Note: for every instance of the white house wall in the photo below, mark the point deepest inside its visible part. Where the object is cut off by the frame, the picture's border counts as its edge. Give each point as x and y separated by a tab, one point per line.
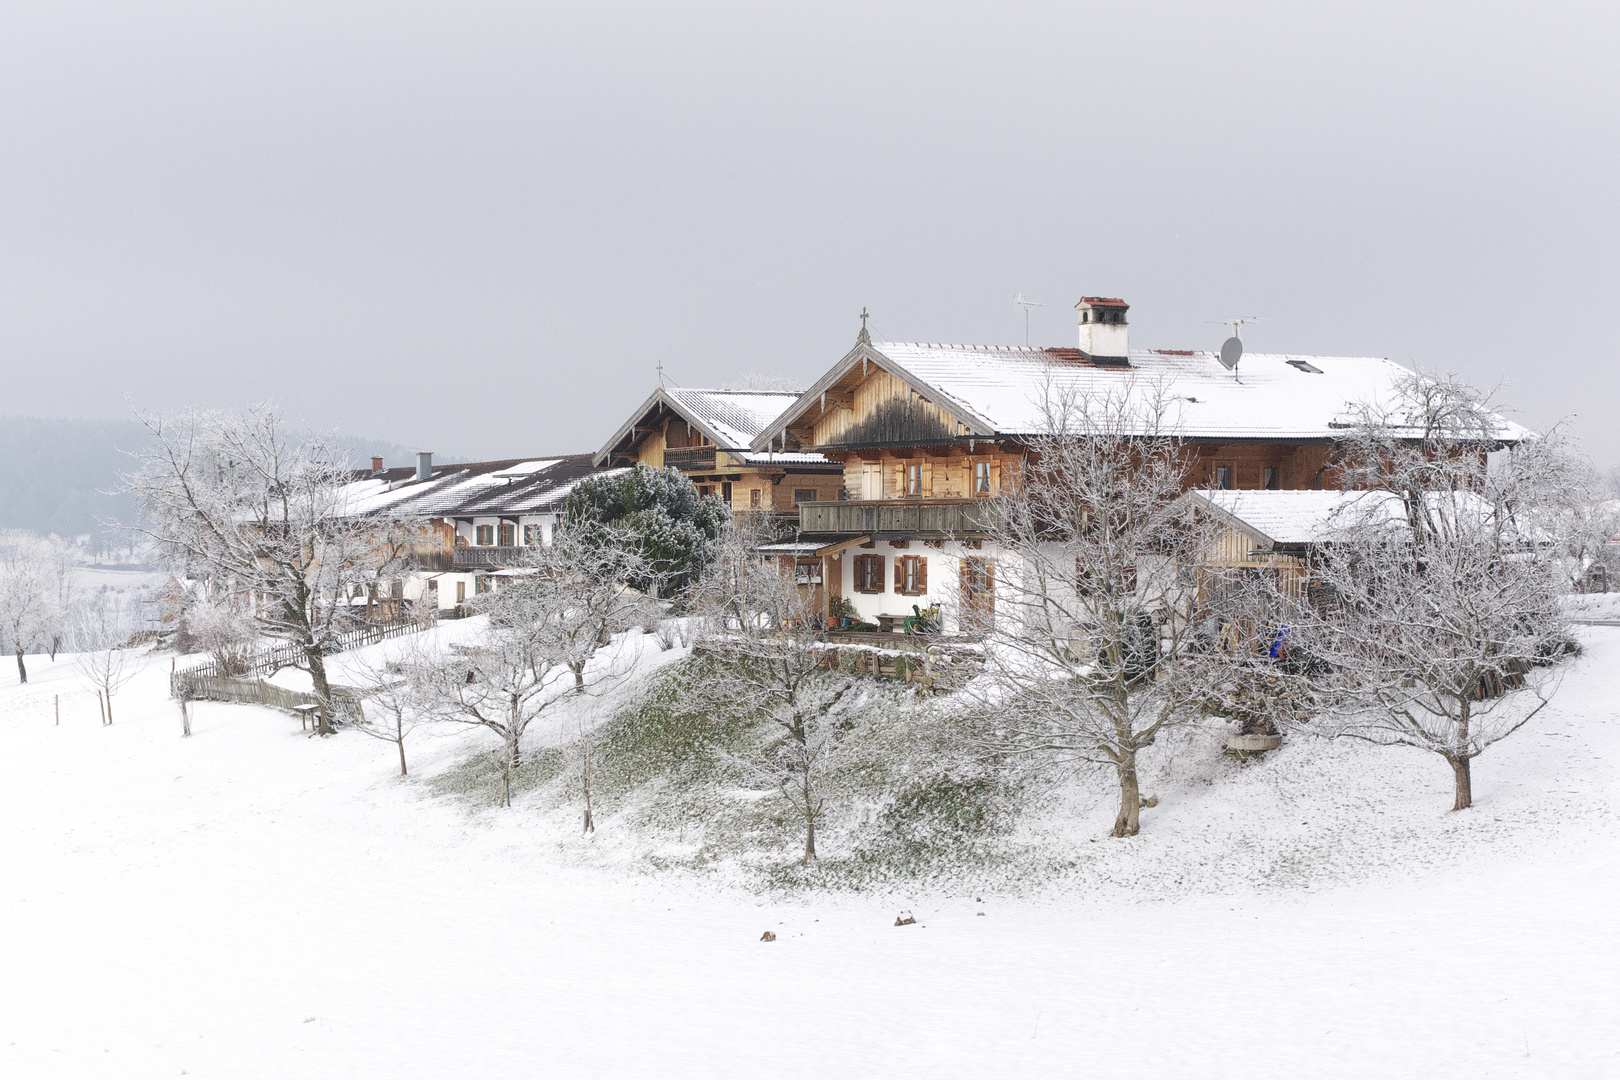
944	581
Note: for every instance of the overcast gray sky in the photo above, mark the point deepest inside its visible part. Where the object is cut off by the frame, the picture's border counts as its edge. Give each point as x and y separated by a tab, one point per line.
480	226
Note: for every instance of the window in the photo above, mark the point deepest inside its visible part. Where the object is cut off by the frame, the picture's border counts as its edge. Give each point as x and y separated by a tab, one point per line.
978	592
803	495
913	479
754	498
461	591
481	584
869	573
705	490
508	534
532	535
725	492
1223	477
486	535
911	575
1273	478
981	478
807	573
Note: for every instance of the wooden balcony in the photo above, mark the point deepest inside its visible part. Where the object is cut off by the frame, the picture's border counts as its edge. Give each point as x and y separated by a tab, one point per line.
690	458
935	518
469	557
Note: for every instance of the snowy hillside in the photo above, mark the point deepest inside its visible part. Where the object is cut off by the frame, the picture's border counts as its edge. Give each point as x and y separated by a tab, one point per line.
251	902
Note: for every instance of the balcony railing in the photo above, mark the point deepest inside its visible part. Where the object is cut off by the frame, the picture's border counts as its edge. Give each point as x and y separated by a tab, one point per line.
689	458
470	557
930	517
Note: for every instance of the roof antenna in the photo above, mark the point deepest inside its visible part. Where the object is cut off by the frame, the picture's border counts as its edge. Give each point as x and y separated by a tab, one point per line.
1019	301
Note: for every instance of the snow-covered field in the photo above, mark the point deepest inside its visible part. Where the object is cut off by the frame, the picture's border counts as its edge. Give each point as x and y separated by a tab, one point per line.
250	902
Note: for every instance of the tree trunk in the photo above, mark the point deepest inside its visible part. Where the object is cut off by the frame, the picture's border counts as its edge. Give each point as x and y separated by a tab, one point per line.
579	676
22	672
590	823
809	840
323	689
1461	763
1461	767
1129	821
400	740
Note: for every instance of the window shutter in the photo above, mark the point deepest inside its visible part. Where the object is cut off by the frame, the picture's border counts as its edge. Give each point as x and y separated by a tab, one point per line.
922	573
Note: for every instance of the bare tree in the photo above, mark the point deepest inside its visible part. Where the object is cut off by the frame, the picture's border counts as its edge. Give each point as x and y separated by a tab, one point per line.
575	596
504	681
760	629
235	500
107	670
1445	578
390	704
1093	548
30	596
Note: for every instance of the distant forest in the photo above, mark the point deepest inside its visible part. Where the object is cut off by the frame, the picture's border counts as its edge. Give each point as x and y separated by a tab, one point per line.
61	476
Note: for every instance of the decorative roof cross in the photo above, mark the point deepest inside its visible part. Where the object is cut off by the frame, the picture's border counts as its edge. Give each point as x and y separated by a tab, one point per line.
865	337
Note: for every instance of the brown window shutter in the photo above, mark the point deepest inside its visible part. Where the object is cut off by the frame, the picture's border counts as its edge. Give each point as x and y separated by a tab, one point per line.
922	573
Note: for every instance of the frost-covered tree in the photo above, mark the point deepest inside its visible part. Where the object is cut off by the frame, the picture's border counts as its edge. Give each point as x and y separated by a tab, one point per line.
237	501
31	592
582	581
391	704
225	631
759	628
1445	577
1095	602
655	513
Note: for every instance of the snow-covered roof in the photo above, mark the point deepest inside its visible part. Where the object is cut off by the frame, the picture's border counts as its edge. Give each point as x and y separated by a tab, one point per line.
998	390
510	486
731	419
1297	518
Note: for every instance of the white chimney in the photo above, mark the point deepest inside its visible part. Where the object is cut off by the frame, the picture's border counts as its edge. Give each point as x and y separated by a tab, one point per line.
1104	335
424	464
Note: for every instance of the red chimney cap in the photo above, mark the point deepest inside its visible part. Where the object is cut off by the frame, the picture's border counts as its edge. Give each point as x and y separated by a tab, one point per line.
1104	301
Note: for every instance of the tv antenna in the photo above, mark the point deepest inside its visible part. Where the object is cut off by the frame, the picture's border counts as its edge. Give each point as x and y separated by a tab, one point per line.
1232	347
1019	301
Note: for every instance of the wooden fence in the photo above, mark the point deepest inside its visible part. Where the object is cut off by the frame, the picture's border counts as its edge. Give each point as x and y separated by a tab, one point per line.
188	686
271	660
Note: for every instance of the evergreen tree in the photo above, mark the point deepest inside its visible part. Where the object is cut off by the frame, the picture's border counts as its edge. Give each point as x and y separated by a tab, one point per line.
658	515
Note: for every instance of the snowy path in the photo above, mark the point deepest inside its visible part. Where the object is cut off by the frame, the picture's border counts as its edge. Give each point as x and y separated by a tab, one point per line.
251	903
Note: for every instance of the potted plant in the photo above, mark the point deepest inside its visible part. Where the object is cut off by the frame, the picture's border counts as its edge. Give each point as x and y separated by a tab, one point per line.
840	612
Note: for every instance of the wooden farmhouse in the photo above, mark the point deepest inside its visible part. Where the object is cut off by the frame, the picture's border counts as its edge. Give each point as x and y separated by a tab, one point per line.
707	436
924	432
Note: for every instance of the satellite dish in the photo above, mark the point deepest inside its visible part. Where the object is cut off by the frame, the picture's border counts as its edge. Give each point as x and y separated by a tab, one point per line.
1231	352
